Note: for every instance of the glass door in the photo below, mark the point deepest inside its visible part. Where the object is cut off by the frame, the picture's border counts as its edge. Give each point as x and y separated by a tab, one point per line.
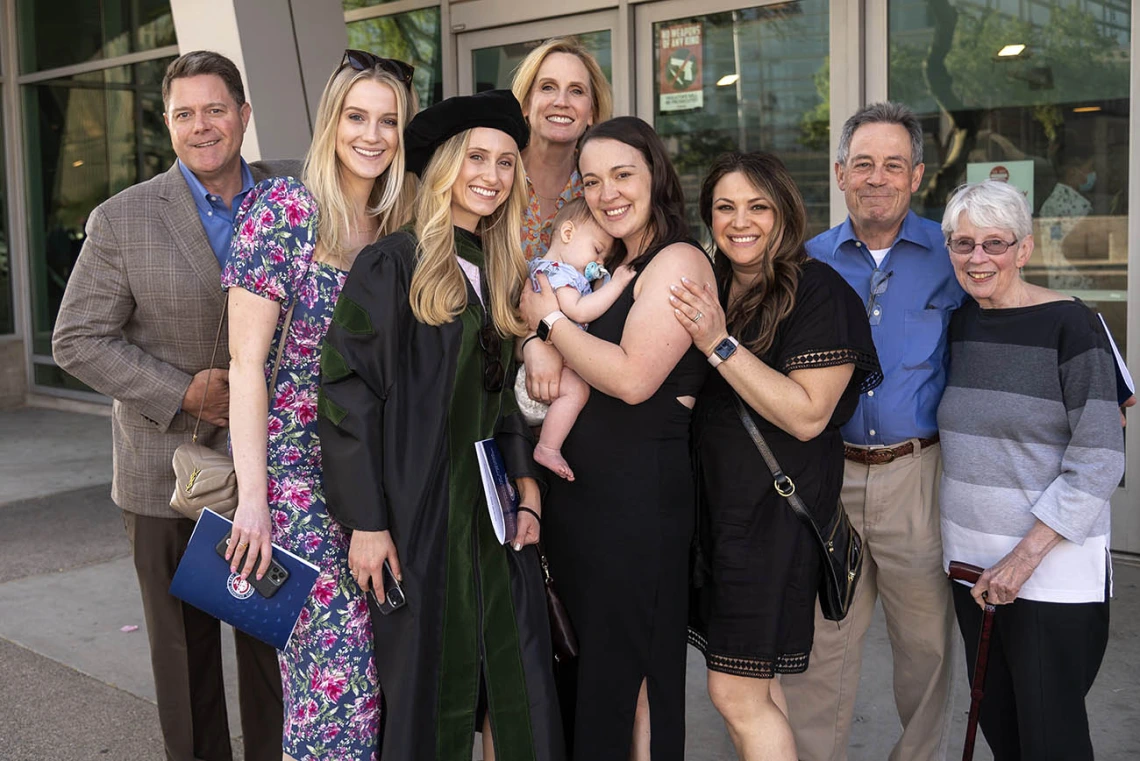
488	57
739	77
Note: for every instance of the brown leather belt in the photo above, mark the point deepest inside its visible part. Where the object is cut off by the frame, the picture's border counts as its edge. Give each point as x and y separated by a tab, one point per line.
883	455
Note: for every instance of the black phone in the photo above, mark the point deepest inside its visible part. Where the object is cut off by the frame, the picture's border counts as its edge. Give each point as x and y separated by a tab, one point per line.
268	584
393	592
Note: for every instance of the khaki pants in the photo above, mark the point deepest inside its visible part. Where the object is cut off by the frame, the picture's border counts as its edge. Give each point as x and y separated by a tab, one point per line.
894	506
186	655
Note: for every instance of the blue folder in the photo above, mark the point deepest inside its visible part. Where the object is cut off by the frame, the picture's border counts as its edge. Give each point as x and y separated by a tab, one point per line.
203	579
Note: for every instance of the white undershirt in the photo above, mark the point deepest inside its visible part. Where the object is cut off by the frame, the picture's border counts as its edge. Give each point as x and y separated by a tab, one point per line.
879	255
472	273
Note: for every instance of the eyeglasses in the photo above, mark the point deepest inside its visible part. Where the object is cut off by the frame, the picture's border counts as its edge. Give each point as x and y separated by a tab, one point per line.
879	282
362	60
966	246
493	370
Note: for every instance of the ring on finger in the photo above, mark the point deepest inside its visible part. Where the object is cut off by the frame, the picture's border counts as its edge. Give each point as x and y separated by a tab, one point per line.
699	316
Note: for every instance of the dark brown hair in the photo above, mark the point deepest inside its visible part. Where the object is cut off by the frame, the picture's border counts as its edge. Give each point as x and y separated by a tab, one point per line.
201	62
773	294
666	199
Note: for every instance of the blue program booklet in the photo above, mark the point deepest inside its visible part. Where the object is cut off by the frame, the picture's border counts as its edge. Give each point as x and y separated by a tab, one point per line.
203	579
502	499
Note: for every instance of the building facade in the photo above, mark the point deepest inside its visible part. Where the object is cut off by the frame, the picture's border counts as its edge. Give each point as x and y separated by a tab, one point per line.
1041	93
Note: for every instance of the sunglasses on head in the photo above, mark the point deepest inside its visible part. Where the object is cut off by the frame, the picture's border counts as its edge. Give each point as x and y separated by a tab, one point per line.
362	60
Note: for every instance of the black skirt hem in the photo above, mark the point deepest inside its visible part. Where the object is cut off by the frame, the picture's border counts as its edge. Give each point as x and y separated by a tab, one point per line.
747	666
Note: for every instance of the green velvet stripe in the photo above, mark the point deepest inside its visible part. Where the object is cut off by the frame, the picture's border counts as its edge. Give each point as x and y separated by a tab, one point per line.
352	317
333	366
329	409
473	415
459	659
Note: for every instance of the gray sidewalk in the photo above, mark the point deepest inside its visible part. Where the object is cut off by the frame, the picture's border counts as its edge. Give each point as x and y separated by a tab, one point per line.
77	687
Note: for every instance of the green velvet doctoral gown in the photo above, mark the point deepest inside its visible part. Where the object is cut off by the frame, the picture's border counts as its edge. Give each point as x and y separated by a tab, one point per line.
401	407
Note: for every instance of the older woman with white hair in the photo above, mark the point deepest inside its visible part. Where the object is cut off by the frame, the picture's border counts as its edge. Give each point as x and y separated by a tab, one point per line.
1032	451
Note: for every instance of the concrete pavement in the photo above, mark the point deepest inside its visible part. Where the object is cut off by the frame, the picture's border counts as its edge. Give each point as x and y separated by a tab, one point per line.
74	686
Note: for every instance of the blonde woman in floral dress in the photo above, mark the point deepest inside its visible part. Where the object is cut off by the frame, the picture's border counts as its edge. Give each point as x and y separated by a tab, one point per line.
294	242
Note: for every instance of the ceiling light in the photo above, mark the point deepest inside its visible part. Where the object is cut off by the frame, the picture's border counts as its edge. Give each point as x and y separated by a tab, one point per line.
1086	110
1011	51
77	163
727	79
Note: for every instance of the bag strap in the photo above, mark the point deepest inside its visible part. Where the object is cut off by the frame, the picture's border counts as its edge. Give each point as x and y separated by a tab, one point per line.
785	487
214	356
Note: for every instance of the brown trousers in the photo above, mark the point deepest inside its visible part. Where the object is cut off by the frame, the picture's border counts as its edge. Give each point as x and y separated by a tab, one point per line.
186	655
895	508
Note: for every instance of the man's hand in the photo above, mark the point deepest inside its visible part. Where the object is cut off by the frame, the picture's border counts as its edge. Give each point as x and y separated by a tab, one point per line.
1130	402
217	395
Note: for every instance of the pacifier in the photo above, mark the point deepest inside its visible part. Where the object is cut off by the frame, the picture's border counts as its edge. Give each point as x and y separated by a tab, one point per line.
595	271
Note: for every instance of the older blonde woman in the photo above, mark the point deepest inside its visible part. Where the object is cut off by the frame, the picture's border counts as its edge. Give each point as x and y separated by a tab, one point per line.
413	375
563	92
1032	451
293	244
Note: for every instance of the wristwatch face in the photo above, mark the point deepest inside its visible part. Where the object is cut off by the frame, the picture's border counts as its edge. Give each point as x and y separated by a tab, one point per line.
543	331
725	348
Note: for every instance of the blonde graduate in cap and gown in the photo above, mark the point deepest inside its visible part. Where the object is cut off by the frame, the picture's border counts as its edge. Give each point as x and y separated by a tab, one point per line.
413	372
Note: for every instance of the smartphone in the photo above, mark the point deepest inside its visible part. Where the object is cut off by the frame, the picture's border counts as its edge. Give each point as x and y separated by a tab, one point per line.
268	584
393	592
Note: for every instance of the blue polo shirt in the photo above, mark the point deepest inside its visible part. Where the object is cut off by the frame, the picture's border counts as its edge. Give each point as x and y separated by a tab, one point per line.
217	219
911	334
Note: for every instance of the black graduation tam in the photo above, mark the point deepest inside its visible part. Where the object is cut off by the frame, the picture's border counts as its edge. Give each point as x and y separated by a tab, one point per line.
431	127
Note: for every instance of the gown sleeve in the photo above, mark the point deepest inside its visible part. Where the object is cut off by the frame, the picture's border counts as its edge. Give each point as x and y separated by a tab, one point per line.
358	366
514	437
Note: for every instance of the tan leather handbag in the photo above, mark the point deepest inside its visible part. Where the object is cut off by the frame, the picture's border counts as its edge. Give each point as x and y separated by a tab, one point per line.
204	477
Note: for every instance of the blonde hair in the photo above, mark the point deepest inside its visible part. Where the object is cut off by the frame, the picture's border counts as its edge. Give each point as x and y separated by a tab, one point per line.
439	289
527	72
393	191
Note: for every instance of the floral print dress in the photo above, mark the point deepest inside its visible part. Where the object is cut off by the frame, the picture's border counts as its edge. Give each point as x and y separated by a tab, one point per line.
332	703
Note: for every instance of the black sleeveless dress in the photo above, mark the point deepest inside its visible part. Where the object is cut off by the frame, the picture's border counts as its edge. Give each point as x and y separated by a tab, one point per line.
618	540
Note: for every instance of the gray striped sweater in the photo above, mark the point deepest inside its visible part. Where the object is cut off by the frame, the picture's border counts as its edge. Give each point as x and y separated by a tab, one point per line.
1030	430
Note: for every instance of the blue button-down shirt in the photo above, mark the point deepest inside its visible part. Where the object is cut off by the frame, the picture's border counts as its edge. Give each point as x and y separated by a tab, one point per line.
217	218
910	336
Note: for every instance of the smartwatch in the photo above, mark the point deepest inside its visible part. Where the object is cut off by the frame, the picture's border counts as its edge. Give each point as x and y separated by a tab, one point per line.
547	323
723	351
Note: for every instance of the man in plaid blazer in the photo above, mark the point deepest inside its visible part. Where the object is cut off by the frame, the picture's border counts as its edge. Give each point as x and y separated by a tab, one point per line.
138	323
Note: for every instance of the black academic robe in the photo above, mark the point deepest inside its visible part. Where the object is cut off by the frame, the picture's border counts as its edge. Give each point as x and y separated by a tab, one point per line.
402	404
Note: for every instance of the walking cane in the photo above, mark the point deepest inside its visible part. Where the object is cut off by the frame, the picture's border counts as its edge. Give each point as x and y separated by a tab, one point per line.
971	573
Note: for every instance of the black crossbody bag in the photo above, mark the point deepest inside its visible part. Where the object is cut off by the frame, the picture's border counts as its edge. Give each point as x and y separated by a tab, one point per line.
839	543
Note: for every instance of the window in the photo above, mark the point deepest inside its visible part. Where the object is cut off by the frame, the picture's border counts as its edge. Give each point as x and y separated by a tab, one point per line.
70	32
1035	93
412	36
753	79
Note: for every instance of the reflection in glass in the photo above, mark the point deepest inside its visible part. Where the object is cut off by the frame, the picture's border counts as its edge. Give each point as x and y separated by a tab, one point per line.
7	310
494	67
87	138
1038	96
413	37
751	80
350	5
67	32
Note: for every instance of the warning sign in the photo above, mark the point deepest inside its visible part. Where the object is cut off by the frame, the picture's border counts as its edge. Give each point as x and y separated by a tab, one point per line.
680	57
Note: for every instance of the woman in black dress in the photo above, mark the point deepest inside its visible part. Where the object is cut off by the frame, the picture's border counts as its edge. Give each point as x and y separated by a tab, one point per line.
805	355
618	535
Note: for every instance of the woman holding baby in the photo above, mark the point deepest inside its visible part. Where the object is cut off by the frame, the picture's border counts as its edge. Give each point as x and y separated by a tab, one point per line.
618	535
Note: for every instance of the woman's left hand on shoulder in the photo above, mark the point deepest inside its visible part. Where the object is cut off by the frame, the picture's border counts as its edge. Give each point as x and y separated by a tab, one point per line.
698	309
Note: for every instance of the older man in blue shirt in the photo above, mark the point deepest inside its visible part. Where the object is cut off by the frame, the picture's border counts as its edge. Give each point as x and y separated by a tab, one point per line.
897	262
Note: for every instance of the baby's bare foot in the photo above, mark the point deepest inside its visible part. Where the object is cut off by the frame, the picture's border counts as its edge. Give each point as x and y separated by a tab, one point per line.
552	458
